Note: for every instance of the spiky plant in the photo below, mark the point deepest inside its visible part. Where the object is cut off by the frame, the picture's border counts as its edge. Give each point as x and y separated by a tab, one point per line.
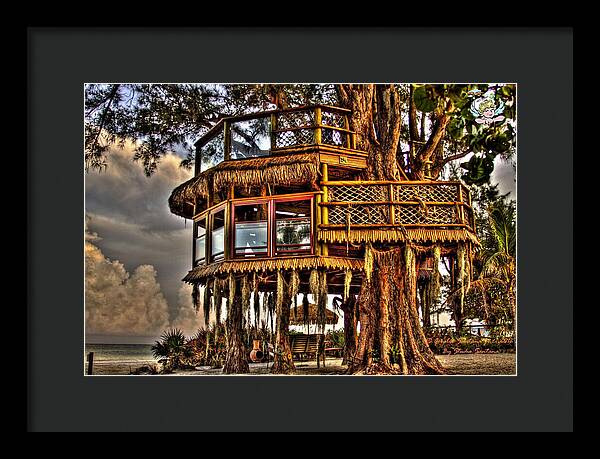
171	350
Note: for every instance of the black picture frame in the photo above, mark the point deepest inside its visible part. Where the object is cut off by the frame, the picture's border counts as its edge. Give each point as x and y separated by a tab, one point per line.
60	398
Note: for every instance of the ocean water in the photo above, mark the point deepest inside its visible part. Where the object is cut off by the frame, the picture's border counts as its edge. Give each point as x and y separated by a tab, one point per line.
118	358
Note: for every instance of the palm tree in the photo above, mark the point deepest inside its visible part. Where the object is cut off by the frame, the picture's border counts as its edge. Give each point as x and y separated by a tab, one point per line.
172	350
499	260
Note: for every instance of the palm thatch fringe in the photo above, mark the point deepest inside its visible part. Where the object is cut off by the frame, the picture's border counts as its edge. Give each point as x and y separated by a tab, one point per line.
200	274
434	284
206	305
397	235
246	300
310	315
231	290
347	282
282	170
280	288
313	285
256	301
322	304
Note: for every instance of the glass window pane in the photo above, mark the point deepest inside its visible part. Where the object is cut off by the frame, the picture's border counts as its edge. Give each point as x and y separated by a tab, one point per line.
201	248
251	234
251	138
199	241
292	226
251	238
218	235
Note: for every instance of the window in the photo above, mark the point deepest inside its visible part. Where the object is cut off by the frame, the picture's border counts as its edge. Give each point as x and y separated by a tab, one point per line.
251	230
292	227
200	241
217	241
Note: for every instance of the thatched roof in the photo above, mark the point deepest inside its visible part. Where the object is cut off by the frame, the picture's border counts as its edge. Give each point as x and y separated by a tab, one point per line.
297	315
201	273
356	235
275	170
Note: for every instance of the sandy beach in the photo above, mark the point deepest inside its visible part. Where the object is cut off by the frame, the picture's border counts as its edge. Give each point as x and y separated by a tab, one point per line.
456	364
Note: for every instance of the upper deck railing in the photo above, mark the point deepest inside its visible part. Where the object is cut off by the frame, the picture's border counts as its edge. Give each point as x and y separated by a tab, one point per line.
380	204
265	133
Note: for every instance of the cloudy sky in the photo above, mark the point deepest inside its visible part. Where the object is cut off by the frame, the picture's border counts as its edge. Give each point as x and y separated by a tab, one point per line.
137	252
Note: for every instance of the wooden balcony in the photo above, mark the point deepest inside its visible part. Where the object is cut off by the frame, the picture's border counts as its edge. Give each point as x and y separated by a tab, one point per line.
279	132
359	211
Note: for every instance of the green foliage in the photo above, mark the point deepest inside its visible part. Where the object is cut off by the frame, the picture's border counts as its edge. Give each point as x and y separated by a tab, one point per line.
424	98
171	350
159	118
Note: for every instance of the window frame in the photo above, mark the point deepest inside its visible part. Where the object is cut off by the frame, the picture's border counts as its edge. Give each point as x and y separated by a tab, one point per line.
300	197
259	201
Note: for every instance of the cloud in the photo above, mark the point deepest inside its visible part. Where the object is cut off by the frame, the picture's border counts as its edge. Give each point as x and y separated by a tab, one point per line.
131	213
118	303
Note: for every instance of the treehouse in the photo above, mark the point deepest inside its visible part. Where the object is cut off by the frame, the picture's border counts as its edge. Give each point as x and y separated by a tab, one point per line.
285	193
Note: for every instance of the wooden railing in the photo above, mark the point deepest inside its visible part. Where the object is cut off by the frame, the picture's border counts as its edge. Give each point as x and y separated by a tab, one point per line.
380	204
264	133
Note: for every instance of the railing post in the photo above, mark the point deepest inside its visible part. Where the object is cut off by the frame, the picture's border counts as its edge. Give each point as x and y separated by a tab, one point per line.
198	161
318	221
227	139
273	129
462	207
318	132
348	134
324	209
228	224
392	208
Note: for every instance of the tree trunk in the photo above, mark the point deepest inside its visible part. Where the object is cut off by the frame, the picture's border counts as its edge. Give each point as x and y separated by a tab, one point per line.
349	307
282	362
391	339
236	361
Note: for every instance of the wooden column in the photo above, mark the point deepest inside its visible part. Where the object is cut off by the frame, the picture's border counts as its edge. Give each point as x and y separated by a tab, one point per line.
228	229
318	220
348	134
462	207
273	128
318	130
324	209
227	139
392	208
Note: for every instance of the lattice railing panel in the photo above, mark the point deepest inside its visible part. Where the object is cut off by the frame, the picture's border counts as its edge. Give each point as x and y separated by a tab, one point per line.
435	193
432	215
297	137
333	119
287	120
333	137
359	215
404	214
358	193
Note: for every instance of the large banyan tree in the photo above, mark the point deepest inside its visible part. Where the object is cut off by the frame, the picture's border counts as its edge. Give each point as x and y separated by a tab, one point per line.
390	134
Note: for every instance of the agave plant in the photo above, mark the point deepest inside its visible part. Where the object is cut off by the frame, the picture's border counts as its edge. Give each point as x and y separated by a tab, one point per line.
171	350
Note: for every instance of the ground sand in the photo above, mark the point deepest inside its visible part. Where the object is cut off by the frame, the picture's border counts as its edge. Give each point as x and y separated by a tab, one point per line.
457	364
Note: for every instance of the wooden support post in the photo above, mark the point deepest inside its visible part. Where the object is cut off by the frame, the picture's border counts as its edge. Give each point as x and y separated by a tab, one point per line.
318	129
273	128
90	360
198	161
227	139
348	134
324	209
462	208
318	221
228	230
392	208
